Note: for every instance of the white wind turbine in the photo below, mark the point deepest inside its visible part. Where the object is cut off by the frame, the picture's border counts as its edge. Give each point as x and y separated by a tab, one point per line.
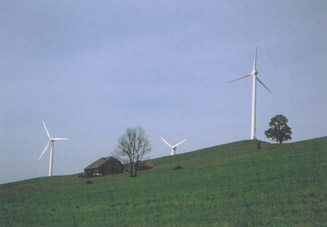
51	141
254	73
173	148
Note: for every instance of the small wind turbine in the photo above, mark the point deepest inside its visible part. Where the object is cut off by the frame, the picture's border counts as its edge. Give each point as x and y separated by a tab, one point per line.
173	148
51	141
254	73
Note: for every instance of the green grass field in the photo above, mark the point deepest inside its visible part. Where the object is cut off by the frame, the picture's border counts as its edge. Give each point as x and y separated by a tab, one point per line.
228	185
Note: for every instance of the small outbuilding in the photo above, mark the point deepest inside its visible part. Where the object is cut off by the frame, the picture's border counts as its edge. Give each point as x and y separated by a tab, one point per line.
145	165
104	166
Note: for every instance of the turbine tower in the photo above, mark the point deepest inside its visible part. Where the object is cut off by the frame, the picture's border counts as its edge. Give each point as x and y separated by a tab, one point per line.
254	74
51	141
173	148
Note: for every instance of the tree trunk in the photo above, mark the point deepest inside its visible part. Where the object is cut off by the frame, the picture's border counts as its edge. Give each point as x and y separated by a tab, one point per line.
131	166
136	168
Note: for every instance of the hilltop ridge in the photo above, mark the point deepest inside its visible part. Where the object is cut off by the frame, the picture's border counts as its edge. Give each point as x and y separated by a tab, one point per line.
231	184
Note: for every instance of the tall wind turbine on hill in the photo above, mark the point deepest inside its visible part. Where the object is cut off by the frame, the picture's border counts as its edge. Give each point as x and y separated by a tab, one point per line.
173	148
51	141
254	74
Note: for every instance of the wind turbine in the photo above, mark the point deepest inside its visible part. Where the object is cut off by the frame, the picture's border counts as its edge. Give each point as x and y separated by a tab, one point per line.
173	148
51	141
254	74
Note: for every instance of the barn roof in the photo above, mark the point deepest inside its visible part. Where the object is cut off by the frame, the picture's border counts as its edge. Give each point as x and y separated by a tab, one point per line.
99	163
147	164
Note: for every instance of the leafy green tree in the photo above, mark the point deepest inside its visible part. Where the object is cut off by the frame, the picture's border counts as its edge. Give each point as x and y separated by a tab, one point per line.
279	130
131	148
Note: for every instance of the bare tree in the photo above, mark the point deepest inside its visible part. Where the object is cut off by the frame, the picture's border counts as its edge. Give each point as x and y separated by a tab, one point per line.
131	148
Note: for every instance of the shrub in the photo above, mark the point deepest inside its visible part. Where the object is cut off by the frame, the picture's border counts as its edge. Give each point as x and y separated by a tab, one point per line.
178	167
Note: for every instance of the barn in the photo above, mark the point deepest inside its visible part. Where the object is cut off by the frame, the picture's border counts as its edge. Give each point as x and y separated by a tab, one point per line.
104	166
146	165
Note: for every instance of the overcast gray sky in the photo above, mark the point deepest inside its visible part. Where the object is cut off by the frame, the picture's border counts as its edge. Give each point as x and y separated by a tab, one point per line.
91	69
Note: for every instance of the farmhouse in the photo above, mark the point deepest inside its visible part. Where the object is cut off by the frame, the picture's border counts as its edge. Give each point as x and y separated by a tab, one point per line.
104	166
146	165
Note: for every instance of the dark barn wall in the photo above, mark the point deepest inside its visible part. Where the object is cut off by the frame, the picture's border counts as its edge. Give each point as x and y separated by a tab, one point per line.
113	166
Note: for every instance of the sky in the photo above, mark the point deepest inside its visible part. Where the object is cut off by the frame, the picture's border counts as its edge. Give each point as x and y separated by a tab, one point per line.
92	69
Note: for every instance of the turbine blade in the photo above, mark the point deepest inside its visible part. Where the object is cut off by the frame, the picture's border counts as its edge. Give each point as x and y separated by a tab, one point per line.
263	84
46	130
179	143
240	78
166	142
60	138
255	60
46	147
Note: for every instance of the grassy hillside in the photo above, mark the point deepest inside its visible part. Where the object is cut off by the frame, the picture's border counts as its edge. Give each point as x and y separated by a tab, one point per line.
229	185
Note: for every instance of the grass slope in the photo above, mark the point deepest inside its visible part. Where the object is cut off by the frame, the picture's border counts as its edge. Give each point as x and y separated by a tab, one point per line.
228	185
